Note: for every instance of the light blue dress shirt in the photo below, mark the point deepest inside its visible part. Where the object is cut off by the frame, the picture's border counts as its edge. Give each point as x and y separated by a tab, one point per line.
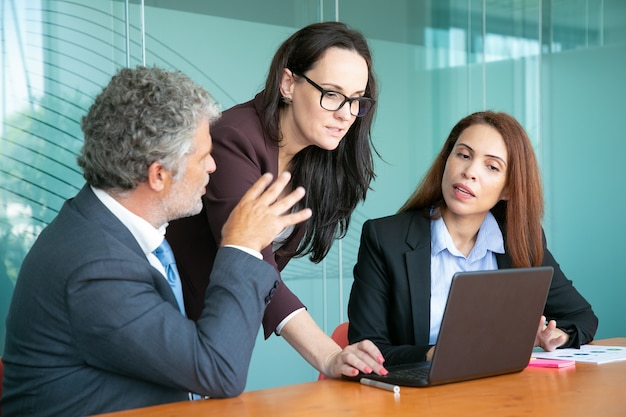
446	260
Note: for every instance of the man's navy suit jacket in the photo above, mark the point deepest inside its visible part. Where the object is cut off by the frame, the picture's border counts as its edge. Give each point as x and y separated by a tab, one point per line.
94	328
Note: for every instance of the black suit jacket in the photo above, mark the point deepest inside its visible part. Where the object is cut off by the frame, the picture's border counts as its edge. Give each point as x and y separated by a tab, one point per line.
94	328
390	298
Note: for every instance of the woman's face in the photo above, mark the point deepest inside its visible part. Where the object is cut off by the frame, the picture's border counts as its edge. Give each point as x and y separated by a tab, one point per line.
305	122
474	179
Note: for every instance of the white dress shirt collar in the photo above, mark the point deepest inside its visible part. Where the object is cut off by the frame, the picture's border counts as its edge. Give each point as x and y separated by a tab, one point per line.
144	233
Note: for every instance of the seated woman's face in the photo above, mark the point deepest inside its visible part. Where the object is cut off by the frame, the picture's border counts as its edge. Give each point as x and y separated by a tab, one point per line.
474	179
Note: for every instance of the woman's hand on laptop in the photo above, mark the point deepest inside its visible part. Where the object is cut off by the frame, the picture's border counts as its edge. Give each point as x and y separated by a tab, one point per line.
363	356
549	337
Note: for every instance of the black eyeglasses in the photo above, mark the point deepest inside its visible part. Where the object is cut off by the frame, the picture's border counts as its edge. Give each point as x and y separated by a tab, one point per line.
334	100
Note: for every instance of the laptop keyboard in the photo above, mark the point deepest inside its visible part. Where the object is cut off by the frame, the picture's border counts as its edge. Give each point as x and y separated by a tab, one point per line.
410	375
418	373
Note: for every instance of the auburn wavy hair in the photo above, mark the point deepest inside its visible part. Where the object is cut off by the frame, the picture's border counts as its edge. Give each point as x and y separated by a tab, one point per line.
521	215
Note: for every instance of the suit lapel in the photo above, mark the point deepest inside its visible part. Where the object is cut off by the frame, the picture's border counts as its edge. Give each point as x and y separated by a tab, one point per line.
88	205
418	273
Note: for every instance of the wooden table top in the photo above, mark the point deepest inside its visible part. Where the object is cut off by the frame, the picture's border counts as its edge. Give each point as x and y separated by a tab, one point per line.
580	390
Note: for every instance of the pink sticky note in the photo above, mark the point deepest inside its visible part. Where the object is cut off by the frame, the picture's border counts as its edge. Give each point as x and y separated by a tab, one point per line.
550	363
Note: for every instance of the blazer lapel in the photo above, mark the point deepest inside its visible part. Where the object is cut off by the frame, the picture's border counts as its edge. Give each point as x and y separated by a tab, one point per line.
90	207
418	274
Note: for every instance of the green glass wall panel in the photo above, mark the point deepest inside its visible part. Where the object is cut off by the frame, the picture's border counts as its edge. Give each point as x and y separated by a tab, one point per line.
586	143
553	64
54	56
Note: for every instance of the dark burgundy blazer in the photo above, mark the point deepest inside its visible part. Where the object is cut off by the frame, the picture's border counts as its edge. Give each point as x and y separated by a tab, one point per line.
242	154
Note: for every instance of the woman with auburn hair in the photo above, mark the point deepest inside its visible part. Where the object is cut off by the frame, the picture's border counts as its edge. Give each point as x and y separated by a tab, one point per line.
479	207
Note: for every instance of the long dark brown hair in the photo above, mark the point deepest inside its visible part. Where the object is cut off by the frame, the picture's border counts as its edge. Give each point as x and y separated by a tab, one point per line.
522	213
335	181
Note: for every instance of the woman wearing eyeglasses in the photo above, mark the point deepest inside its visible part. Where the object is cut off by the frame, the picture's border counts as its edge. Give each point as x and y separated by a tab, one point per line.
313	119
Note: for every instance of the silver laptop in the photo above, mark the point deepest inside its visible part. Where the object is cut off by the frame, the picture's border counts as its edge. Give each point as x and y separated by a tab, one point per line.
488	328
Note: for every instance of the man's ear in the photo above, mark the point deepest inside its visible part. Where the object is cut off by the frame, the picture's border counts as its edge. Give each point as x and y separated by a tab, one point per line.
158	176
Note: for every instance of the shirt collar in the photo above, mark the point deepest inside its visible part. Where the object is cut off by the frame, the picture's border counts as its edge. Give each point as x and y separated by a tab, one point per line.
144	233
489	238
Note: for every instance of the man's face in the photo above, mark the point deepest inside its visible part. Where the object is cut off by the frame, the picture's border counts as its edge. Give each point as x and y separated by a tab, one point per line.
185	196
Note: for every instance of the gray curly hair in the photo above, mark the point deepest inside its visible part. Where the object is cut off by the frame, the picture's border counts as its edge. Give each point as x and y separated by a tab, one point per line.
144	115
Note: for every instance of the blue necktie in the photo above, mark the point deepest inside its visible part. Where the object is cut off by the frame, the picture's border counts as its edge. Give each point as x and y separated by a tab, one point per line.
166	257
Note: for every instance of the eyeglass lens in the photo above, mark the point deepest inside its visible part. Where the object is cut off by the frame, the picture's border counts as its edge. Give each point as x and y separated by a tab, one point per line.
333	101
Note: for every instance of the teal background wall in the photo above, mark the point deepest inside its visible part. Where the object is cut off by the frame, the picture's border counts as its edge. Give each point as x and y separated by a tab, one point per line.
556	65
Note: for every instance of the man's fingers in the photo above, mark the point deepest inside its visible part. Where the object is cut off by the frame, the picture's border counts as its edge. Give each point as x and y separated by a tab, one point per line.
297	217
264	194
258	187
269	196
262	213
286	203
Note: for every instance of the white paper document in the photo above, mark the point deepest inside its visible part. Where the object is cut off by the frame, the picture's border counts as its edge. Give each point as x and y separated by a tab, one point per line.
587	353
